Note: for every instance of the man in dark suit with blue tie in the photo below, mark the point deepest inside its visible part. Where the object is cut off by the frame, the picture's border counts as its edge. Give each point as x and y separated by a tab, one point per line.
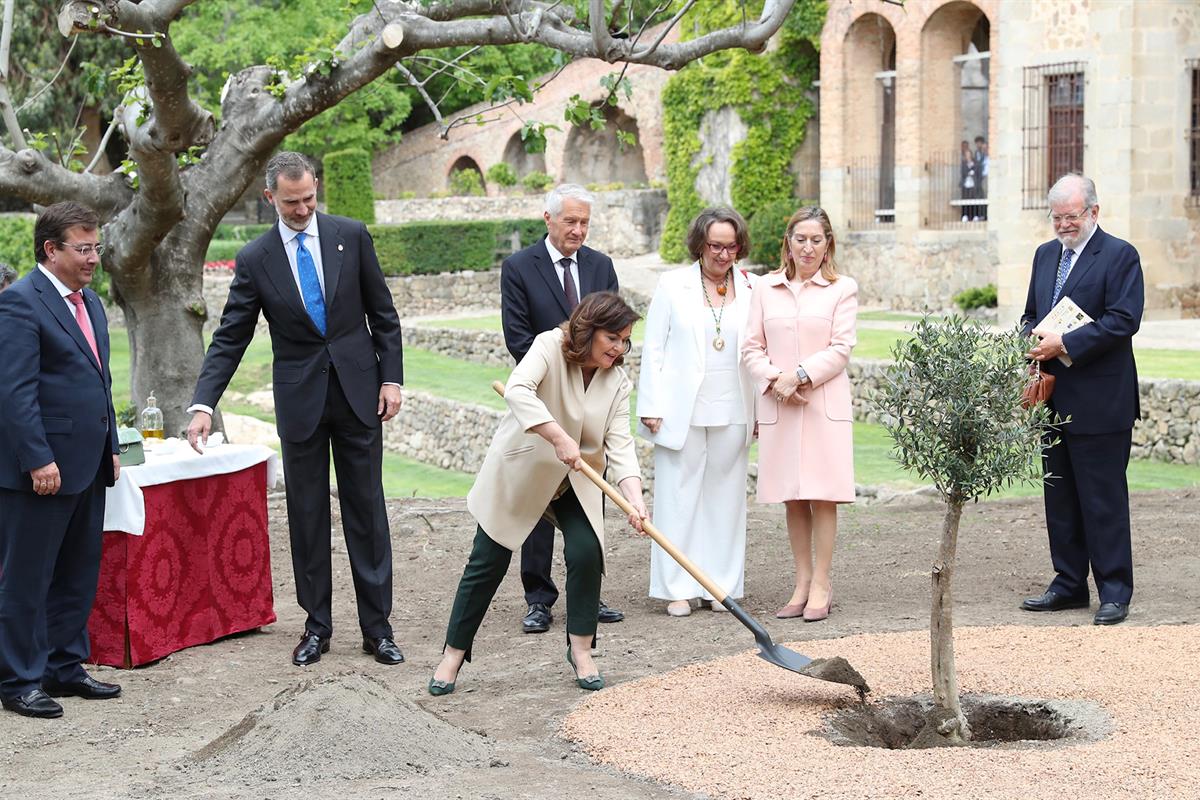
337	374
1087	499
58	446
539	287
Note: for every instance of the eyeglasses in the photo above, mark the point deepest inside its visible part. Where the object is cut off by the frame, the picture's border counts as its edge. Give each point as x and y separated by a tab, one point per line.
85	249
1070	219
717	249
801	239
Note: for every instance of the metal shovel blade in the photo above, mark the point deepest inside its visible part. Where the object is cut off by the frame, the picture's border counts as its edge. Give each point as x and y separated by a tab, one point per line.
835	670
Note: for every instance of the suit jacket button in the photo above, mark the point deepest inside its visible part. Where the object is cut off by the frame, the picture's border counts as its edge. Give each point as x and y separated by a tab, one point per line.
324	370
104	420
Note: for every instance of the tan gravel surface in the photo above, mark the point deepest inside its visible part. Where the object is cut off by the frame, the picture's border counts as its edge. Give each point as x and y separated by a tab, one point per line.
740	728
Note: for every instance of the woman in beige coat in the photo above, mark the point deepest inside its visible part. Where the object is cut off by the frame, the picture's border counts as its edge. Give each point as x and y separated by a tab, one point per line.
798	342
568	402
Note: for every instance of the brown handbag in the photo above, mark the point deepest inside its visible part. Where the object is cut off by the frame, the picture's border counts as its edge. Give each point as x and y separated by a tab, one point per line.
1039	388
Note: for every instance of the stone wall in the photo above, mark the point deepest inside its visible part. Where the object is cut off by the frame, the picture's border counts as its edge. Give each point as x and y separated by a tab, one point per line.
624	223
916	274
453	435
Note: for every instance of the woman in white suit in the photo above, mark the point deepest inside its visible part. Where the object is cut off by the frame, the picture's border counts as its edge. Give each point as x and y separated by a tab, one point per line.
568	402
696	404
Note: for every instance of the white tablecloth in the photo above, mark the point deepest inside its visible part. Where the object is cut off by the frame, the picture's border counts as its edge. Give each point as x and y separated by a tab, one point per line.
174	460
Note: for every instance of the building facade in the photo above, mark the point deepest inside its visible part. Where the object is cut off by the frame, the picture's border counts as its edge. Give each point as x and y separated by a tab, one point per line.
944	122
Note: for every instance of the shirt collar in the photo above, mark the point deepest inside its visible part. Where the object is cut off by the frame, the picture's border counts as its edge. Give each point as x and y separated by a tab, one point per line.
779	278
62	288
556	256
287	234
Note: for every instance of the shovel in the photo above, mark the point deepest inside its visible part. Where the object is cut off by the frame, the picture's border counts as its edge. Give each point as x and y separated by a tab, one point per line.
836	669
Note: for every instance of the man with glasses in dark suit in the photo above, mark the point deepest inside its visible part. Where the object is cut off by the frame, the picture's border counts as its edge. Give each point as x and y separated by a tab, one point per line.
1087	499
539	287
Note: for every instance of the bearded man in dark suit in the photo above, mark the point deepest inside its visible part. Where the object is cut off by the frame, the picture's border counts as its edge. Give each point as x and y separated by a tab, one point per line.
539	287
58	445
337	373
1087	499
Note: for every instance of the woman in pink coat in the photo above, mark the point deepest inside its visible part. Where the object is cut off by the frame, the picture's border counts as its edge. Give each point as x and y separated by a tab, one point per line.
799	336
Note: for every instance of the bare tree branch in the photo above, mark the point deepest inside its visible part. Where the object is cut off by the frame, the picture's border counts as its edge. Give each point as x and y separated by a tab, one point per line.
420	87
6	103
668	27
30	175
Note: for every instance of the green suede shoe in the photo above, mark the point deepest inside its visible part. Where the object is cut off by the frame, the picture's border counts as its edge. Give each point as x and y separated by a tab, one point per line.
438	688
591	683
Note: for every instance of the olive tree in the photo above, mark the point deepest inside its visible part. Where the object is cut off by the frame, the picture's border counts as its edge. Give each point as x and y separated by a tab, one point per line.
951	401
184	171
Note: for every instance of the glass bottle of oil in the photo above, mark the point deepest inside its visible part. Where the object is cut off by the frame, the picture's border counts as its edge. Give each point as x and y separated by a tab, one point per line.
152	419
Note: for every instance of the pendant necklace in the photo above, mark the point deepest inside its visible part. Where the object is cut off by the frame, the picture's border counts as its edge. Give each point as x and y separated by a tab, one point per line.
718	342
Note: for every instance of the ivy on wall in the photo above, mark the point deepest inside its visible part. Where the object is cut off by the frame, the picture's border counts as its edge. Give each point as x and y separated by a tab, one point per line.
768	91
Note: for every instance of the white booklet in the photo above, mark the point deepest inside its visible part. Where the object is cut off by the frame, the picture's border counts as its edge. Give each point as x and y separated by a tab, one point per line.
1064	317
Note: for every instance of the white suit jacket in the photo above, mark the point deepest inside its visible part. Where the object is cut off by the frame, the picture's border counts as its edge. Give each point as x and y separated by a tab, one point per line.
520	472
673	354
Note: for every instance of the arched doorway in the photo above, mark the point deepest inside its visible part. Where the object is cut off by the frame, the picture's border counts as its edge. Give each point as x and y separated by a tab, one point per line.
598	156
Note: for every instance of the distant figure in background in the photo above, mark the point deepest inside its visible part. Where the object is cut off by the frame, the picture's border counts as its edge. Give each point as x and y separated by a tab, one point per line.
798	342
58	446
1087	502
539	288
7	276
981	172
696	404
968	179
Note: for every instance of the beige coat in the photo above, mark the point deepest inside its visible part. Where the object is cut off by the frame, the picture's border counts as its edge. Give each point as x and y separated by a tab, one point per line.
520	473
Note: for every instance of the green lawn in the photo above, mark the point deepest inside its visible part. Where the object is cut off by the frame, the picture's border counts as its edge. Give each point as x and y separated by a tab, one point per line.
492	322
471	383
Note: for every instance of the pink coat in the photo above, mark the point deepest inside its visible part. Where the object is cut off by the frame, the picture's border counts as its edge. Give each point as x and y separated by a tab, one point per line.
805	451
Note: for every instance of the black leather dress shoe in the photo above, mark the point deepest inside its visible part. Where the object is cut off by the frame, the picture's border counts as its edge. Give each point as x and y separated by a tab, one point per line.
34	703
309	650
1052	601
384	650
537	618
609	614
86	687
1111	613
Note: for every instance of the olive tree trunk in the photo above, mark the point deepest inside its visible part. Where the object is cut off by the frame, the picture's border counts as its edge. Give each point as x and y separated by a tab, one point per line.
946	720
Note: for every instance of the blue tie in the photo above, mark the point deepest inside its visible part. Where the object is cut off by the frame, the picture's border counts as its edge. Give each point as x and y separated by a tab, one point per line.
310	286
1064	269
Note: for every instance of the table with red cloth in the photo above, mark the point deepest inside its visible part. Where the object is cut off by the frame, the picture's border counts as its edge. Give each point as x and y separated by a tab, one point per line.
186	558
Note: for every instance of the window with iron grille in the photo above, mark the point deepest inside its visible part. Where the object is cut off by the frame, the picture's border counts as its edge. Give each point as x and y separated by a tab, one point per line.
1052	128
1194	135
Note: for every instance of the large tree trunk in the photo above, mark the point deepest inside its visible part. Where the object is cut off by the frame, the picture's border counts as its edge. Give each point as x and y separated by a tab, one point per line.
947	719
165	312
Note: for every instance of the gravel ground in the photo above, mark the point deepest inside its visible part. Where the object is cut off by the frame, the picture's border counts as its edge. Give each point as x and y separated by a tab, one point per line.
235	719
740	728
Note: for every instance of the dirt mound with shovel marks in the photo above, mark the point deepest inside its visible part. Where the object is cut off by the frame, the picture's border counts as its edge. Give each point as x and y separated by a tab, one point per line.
353	726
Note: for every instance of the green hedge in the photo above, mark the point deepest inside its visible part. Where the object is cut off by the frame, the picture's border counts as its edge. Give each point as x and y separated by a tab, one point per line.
427	248
223	249
16	241
348	191
977	297
241	233
767	227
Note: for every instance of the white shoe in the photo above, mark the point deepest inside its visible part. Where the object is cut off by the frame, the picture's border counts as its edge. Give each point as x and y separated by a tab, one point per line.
679	608
964	219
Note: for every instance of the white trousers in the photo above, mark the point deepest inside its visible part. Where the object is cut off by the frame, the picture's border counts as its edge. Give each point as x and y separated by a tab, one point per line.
700	505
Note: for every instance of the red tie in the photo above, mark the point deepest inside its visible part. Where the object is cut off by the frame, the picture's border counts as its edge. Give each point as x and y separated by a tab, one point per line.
76	299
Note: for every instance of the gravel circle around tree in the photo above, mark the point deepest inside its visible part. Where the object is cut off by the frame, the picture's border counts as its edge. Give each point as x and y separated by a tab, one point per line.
738	727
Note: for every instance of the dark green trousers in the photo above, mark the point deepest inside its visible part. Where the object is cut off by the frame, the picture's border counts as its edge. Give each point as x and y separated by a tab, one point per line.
489	562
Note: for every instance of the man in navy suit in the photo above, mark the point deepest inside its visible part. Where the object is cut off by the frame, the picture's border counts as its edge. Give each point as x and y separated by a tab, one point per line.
337	373
1087	500
539	288
58	446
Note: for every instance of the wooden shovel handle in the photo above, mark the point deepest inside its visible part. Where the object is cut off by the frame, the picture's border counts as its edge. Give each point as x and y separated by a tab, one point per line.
654	533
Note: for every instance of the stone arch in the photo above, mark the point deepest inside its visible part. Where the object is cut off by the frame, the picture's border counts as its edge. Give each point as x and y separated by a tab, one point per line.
954	75
596	156
521	161
465	163
869	74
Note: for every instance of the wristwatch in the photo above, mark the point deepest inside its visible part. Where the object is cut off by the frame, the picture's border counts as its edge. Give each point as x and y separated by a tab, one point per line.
801	375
